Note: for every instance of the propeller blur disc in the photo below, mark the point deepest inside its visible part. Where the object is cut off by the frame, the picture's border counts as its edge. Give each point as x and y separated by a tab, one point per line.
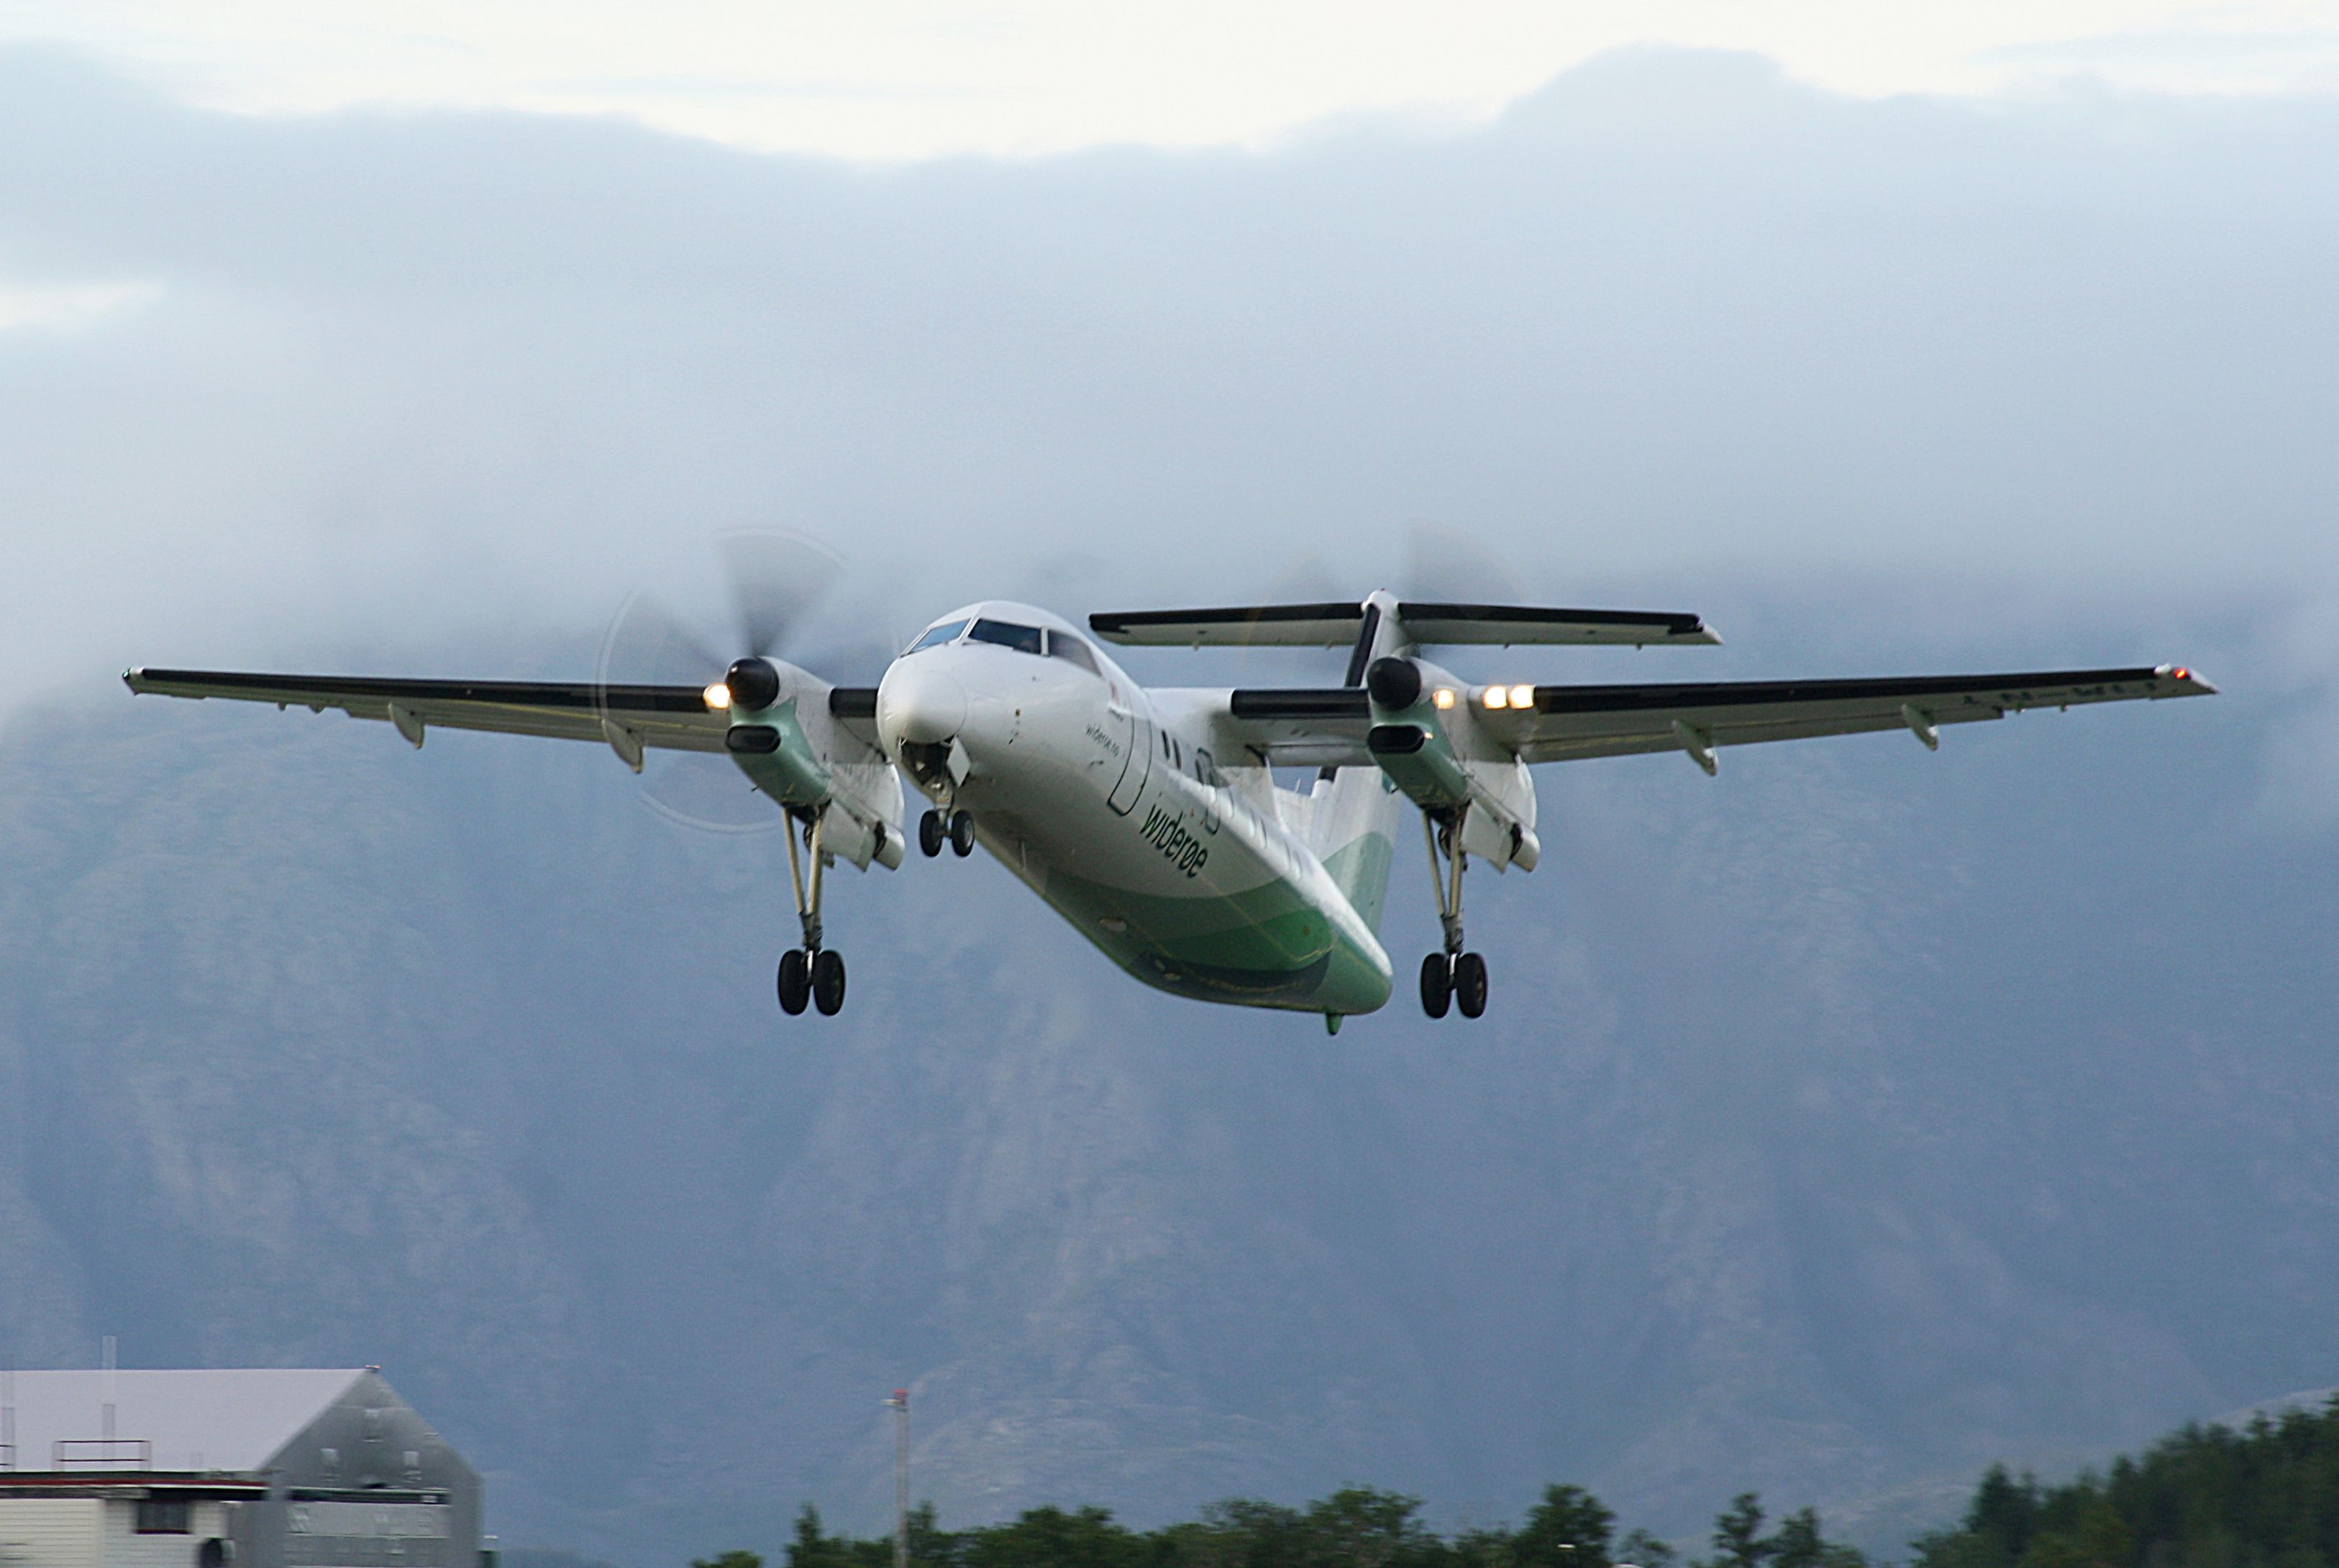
775	578
648	643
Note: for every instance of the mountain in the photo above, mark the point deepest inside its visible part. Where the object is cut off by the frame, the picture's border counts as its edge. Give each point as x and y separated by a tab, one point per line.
1845	1123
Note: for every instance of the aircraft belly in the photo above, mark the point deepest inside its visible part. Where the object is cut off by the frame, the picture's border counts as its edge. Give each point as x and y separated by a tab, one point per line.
1187	893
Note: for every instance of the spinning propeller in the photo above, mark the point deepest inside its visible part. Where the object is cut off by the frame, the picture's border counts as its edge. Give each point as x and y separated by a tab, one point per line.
774	581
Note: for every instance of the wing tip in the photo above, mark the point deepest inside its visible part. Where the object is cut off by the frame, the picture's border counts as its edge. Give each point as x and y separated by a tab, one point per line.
2189	682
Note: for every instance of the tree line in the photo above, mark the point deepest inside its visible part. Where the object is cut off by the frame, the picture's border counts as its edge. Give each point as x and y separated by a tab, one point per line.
1355	1527
2264	1495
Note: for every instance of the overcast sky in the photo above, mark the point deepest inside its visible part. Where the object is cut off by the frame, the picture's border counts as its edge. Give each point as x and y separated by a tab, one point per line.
347	352
912	78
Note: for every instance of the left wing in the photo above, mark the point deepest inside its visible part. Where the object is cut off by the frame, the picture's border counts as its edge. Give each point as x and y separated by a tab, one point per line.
627	717
1571	721
1327	726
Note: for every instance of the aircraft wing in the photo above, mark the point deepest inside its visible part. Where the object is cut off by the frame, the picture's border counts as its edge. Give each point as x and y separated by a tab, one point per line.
1571	721
1327	726
676	717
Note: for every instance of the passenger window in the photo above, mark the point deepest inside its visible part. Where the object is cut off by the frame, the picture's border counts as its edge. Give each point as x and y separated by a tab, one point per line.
936	635
1007	635
1070	649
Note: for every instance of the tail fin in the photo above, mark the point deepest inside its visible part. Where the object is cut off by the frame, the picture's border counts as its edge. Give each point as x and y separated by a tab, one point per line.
1352	827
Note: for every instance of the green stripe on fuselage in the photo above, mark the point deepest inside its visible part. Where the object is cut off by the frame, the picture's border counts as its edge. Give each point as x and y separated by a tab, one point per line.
1265	946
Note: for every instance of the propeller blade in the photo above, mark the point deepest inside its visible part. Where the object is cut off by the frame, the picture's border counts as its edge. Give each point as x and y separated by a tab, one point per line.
1444	562
775	580
649	645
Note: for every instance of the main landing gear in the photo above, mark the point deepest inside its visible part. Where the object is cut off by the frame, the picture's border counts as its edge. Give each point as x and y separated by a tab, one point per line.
956	828
1452	978
810	974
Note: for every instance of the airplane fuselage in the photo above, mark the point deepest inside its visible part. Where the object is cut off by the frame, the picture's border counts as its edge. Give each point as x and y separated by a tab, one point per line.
1175	865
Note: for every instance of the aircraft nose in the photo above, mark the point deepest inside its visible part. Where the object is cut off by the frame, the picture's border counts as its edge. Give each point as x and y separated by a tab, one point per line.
919	703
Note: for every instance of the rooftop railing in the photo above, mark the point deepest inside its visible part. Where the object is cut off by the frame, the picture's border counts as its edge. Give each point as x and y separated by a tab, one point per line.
102	1453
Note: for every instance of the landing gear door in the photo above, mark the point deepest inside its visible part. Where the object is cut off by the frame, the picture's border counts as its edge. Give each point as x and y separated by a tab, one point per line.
1137	765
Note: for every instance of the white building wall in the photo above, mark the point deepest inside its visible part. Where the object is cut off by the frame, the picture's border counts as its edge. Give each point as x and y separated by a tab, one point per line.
125	1548
51	1532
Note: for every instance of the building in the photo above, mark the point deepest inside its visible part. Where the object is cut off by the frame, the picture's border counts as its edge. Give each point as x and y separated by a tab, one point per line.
264	1468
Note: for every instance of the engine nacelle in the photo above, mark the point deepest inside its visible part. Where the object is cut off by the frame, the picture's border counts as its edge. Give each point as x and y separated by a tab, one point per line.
1426	739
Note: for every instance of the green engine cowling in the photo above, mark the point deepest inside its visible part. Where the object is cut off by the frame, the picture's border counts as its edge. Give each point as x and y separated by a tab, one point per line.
771	749
1408	740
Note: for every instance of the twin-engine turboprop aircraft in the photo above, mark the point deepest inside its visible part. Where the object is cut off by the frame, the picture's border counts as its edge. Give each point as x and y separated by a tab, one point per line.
1150	818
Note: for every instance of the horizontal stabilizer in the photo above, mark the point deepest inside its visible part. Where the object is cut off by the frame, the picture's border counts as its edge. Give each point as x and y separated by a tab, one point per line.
1331	626
1327	625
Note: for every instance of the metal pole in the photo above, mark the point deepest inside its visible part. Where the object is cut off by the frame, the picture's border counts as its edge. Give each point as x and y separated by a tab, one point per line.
901	1403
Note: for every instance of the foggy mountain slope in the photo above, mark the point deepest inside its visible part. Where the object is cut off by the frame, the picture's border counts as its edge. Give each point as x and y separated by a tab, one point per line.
1828	1134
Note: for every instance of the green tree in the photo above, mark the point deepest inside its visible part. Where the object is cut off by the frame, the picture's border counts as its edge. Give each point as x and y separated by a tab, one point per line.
1799	1545
1051	1538
1738	1538
1570	1528
1362	1527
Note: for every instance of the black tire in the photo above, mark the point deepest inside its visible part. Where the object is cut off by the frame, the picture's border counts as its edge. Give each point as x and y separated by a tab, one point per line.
827	981
962	833
930	833
1470	984
1437	985
795	981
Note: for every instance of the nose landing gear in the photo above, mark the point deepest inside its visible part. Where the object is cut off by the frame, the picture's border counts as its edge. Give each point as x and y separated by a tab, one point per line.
810	974
1451	978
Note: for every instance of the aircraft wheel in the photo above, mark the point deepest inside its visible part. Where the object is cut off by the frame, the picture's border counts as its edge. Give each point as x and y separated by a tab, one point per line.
827	981
1437	985
930	833
962	833
795	981
1470	984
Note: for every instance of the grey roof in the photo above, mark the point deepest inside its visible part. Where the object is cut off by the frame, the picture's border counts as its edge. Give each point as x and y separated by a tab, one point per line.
232	1419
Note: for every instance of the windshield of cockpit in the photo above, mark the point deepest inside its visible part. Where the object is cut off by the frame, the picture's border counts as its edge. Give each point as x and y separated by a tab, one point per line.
1041	640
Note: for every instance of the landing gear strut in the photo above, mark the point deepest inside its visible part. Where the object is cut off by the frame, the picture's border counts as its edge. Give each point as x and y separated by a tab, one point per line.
811	973
1452	977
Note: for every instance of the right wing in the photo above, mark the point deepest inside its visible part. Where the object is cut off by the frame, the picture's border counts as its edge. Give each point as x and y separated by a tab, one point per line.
625	717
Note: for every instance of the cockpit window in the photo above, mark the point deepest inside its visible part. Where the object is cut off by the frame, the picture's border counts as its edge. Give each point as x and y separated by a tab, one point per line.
936	635
1066	647
1007	635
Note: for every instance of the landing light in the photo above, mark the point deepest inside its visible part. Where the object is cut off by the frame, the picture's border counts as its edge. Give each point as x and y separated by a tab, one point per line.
1496	697
1445	697
719	697
1523	697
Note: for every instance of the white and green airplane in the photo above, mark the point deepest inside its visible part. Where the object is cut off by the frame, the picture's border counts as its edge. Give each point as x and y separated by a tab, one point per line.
1150	818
